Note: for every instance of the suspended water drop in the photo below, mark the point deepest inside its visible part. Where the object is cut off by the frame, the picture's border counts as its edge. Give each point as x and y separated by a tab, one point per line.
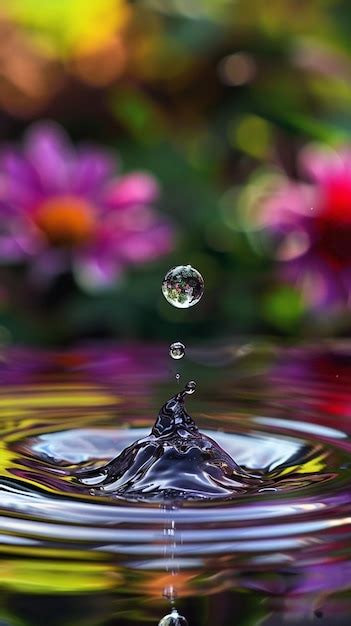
177	377
173	619
177	350
183	286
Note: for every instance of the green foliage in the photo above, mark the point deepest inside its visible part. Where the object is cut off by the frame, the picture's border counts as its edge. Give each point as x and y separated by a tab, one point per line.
283	308
210	93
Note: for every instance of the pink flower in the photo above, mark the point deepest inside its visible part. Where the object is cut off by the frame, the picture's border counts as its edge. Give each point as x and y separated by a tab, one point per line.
311	222
65	209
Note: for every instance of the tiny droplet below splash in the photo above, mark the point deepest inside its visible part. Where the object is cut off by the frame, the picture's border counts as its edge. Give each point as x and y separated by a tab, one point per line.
170	593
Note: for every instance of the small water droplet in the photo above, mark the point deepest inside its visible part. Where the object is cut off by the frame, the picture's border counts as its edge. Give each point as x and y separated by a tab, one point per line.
183	286
177	350
177	377
170	593
190	387
173	619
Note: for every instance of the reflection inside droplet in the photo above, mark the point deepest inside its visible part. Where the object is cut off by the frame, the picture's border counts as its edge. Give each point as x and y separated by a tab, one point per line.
183	286
177	350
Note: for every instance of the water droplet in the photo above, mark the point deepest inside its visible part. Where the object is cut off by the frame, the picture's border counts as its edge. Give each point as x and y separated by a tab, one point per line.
177	350
177	377
190	387
169	593
173	619
183	286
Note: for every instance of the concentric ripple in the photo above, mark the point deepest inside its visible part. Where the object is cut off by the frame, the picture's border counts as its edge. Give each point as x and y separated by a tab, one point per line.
274	414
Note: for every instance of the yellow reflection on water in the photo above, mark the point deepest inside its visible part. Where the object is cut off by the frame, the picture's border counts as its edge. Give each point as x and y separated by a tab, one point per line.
41	576
37	396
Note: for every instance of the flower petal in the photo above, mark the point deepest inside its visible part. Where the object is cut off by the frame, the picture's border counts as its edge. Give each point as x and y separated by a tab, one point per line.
48	264
18	241
49	151
92	170
320	163
138	188
20	186
97	266
316	281
288	206
96	273
148	245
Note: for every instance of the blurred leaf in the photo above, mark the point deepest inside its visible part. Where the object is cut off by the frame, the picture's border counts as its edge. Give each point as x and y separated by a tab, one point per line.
283	308
140	116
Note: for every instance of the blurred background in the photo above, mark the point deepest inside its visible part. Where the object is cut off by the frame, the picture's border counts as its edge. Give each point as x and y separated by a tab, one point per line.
135	136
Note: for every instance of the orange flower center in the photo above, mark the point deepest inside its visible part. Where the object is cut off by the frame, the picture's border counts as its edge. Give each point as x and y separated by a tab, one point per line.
66	220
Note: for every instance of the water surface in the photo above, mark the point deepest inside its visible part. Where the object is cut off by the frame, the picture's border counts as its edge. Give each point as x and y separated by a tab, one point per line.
281	546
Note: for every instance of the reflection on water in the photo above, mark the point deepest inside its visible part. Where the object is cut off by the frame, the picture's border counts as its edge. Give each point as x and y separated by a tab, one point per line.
284	416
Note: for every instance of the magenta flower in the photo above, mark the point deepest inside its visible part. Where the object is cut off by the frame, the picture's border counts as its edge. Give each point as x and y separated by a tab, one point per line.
65	209
312	225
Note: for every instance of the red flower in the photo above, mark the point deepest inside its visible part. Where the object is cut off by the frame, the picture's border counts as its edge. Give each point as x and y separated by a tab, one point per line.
312	223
